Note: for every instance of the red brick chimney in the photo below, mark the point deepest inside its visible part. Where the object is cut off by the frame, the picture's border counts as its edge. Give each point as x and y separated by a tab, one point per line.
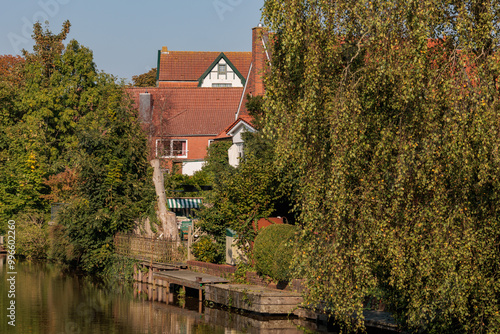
259	60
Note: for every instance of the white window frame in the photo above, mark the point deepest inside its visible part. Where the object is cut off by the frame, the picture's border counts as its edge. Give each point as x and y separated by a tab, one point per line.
184	153
221	85
222	69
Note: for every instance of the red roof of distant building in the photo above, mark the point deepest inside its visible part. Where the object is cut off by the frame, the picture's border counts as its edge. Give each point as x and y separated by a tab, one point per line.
190	65
178	83
192	111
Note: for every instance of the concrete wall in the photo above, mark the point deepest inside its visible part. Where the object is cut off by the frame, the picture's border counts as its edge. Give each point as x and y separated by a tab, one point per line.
190	167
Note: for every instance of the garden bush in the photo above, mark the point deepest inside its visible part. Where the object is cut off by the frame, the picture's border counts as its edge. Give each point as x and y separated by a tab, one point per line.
273	251
32	235
206	250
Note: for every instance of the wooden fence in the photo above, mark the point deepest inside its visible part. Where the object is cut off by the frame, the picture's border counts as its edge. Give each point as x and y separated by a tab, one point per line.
149	249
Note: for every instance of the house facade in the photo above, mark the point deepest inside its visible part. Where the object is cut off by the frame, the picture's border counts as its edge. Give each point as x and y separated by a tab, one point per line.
198	96
234	132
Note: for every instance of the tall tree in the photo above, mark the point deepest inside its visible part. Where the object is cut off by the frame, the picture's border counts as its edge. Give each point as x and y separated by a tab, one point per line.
385	119
74	138
147	79
10	84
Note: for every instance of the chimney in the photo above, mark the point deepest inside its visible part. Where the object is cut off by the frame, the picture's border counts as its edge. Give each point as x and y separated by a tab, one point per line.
259	60
145	114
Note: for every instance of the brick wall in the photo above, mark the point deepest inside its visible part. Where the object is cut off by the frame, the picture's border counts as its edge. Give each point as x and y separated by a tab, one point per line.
224	270
259	59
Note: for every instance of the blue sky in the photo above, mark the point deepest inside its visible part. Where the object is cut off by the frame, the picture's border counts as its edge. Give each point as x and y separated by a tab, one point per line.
126	35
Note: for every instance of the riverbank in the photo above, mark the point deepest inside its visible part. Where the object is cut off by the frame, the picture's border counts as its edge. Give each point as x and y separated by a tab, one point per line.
160	284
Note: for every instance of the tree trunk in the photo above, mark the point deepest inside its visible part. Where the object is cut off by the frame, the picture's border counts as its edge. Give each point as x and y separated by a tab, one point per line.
166	218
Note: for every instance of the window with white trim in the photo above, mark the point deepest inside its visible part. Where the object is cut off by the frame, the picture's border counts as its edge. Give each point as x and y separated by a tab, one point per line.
222	85
222	69
171	148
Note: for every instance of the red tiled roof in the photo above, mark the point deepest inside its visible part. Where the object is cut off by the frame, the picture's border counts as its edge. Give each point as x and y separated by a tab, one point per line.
191	111
245	118
178	84
190	65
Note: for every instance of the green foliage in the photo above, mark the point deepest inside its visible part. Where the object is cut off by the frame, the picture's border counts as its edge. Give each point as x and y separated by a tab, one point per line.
217	167
32	236
121	269
73	136
206	250
113	183
274	249
385	121
217	161
240	275
241	195
238	198
147	79
61	249
173	183
255	107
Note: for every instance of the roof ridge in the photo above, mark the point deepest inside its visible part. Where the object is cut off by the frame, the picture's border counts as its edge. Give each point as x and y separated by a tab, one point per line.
186	88
172	51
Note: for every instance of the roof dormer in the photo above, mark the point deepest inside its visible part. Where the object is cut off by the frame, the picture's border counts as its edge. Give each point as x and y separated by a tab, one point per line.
221	73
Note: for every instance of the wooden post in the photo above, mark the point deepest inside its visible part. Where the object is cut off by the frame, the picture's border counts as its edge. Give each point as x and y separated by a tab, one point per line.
184	290
152	251
190	242
170	295
200	288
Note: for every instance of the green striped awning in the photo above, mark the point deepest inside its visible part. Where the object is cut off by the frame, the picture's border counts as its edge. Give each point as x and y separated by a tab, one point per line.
184	203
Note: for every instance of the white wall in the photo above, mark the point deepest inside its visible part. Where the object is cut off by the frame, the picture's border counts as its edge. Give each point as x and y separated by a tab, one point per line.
232	152
236	150
190	167
230	77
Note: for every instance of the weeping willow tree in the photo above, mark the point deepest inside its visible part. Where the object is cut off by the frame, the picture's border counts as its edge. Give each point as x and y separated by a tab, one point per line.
386	121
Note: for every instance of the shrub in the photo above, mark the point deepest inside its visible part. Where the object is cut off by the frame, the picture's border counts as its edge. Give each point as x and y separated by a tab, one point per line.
273	251
32	235
207	251
61	250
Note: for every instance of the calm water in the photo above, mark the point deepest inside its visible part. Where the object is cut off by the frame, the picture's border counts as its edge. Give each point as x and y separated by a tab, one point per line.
50	300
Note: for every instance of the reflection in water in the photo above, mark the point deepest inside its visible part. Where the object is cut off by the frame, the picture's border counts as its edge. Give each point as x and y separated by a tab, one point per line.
236	320
51	300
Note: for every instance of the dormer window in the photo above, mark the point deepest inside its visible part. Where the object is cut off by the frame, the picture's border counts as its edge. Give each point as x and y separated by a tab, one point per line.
222	69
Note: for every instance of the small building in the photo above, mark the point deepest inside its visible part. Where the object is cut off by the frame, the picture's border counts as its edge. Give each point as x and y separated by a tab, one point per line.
198	95
234	132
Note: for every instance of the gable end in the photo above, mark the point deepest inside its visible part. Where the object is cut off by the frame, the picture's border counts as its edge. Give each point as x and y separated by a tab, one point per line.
215	62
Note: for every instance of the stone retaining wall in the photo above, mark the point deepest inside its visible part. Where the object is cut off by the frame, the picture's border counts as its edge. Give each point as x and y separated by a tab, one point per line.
295	285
